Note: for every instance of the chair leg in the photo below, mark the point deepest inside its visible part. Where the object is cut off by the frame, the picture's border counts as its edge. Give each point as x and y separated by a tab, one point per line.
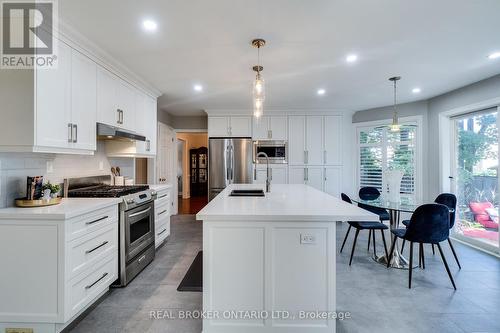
354	245
345	238
422	255
433	251
454	254
419	255
369	239
374	245
410	268
402	246
391	252
385	245
446	265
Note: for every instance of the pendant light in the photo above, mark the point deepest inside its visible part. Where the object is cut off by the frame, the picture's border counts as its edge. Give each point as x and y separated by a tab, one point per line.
395	127
258	85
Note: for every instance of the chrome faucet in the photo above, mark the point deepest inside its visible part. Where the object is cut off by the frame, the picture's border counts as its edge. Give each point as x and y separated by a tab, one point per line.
268	181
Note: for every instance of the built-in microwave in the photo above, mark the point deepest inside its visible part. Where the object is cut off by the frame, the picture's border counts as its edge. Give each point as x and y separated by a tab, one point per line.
277	151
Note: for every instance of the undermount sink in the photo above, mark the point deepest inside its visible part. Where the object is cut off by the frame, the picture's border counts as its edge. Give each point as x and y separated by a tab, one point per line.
247	193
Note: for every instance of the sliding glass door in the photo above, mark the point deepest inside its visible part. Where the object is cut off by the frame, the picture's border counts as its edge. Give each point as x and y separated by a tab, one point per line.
476	179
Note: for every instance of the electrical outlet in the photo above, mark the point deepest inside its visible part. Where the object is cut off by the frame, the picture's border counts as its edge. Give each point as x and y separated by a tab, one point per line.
50	167
101	165
307	239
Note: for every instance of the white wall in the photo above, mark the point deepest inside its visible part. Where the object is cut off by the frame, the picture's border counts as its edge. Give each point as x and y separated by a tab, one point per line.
15	167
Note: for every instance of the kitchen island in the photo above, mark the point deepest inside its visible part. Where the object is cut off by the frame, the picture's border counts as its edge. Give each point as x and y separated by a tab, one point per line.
269	262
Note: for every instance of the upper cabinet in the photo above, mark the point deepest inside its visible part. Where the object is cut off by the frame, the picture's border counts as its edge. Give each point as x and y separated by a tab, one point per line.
270	128
315	140
116	101
235	126
145	122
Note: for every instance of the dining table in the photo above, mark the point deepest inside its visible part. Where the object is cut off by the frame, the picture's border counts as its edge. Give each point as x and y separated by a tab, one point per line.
404	205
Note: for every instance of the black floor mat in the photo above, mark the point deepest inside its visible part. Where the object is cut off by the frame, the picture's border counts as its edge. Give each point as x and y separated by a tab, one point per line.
193	280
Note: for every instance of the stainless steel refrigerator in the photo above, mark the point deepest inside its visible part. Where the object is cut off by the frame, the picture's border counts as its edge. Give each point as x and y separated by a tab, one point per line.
229	162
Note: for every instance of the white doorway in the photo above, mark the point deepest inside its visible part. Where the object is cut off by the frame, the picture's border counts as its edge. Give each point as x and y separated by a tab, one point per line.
165	165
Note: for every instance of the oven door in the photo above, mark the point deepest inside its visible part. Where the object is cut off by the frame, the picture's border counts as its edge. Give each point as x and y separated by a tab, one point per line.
139	230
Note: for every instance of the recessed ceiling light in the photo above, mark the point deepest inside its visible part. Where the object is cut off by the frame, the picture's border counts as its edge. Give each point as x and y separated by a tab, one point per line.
198	87
351	58
321	92
149	25
494	55
416	90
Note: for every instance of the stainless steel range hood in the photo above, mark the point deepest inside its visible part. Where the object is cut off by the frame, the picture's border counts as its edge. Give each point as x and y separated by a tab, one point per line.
106	132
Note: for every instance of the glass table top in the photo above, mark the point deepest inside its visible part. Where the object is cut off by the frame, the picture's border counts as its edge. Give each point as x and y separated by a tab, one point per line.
408	205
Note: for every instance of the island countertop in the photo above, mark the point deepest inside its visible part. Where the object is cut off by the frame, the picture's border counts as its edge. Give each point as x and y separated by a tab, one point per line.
285	202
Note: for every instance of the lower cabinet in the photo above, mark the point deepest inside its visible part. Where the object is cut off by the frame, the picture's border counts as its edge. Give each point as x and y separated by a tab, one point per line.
327	179
60	268
162	217
278	174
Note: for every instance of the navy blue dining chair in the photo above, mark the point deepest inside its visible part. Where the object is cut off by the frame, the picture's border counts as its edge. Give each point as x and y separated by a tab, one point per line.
372	193
449	200
429	224
371	226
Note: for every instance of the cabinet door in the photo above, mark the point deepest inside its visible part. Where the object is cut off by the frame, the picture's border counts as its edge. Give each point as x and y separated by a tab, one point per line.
261	128
141	120
259	175
83	101
126	103
314	140
151	125
218	126
53	102
240	127
296	141
296	175
279	175
333	140
107	90
314	177
278	128
333	181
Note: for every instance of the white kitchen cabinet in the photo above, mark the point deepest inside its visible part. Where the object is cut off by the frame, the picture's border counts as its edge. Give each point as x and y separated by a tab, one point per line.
333	181
270	128
162	216
333	140
278	174
235	126
107	95
296	175
83	101
296	140
53	103
126	105
218	127
151	125
146	121
314	140
314	177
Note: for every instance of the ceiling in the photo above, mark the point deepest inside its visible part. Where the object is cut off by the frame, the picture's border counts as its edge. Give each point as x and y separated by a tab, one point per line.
435	45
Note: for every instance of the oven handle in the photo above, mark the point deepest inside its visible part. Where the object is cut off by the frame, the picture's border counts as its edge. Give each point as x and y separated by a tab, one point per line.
140	213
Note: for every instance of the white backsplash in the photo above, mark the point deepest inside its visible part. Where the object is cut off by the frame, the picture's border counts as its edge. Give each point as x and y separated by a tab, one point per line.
15	167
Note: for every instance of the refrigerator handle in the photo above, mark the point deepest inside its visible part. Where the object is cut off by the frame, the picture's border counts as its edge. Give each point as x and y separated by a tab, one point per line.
232	163
228	167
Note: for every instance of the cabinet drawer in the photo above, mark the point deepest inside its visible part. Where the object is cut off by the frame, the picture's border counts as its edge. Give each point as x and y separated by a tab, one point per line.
82	225
163	199
85	288
84	252
159	223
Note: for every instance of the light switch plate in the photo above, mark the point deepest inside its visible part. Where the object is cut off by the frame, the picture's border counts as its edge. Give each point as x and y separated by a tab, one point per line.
50	167
101	165
307	239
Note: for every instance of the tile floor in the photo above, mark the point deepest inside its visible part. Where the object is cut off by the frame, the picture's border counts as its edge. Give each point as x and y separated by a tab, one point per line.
378	298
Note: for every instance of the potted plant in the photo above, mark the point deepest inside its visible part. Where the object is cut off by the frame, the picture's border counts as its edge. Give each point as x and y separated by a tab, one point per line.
51	189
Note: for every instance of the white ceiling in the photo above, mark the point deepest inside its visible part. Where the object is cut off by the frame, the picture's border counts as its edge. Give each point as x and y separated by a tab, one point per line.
435	45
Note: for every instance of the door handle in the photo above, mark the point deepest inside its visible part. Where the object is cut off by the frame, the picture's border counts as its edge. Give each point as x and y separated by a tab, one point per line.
232	162
270	174
140	213
269	135
306	156
255	173
119	116
121	121
307	174
75	127
324	156
70	132
228	161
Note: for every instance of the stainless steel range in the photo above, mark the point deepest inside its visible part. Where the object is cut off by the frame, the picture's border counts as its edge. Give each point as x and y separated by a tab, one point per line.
136	229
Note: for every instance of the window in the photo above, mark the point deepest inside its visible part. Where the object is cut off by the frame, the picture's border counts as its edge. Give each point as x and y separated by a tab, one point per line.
379	150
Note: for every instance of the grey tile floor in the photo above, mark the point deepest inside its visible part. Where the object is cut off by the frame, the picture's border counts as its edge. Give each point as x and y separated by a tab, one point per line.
377	298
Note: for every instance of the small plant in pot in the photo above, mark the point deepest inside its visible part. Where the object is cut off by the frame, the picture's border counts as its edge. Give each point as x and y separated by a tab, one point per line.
51	190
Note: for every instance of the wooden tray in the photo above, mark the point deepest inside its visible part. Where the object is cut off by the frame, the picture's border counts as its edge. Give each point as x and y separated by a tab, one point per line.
22	202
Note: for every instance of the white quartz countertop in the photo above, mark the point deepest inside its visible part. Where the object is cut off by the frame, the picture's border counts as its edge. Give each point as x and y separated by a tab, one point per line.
68	208
287	202
160	187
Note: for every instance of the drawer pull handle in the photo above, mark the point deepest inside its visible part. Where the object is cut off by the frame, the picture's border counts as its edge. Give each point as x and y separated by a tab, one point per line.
163	196
95	221
97	281
162	212
162	232
97	247
141	258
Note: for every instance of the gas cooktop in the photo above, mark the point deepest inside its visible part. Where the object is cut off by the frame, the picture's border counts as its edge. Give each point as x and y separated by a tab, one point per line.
105	191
